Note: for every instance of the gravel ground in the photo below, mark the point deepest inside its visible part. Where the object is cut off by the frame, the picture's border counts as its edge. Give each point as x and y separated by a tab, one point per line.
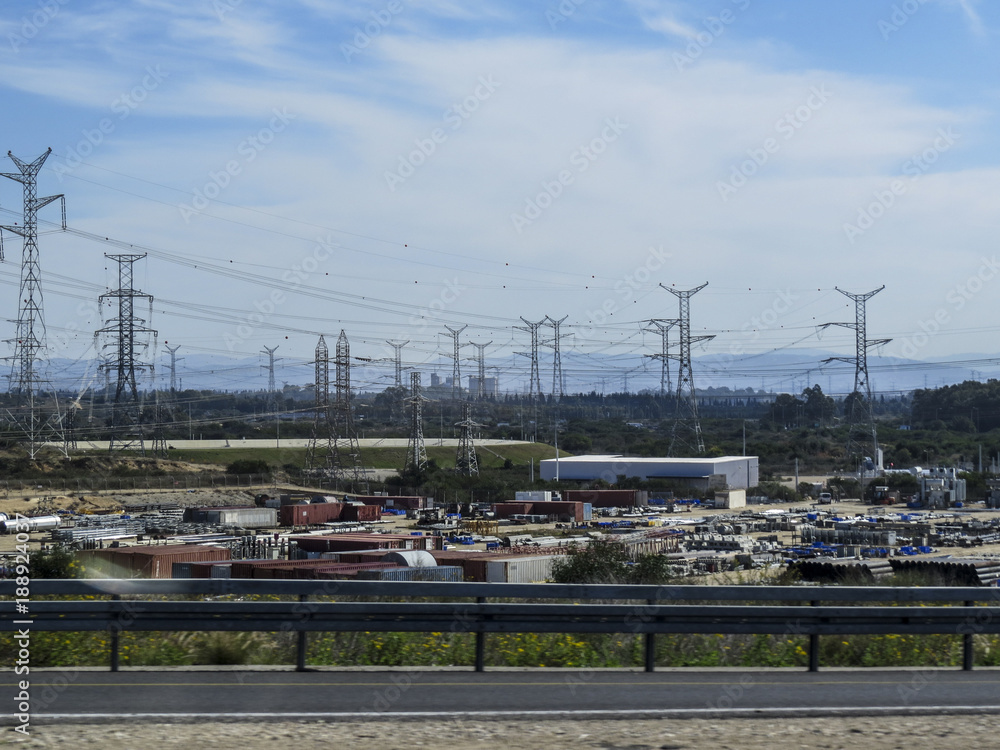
842	733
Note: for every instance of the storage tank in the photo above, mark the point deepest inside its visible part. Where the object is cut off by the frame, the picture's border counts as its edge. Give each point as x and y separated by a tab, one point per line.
35	523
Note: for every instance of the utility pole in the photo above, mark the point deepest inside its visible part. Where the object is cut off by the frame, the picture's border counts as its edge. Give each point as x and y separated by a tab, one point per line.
29	343
860	414
686	413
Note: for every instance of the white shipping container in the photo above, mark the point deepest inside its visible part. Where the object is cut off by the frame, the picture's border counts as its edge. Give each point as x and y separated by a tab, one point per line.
520	569
533	496
247	518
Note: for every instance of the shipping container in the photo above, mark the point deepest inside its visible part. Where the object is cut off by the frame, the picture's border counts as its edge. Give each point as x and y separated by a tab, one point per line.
533	496
329	570
150	561
362	513
440	573
520	569
310	514
245	518
348	542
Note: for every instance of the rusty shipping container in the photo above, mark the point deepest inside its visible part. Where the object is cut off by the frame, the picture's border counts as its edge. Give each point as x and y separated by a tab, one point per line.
362	513
310	514
355	542
151	561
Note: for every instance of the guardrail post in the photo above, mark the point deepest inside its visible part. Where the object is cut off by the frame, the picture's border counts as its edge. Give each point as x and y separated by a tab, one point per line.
300	646
814	647
967	646
480	642
115	632
651	645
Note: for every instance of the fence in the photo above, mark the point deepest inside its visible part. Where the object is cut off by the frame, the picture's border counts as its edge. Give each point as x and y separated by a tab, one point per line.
645	610
94	483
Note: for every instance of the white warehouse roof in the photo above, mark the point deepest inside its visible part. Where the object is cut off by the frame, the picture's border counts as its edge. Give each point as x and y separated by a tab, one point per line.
738	472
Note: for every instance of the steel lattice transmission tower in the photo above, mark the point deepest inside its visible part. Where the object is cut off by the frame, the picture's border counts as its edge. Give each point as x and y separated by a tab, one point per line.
172	351
320	459
128	430
333	425
860	417
29	343
465	457
480	360
398	361
416	451
557	375
456	369
272	388
344	416
534	382
662	326
686	415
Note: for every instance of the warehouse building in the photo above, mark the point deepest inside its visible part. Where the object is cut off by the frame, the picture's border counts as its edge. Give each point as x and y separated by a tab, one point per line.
733	472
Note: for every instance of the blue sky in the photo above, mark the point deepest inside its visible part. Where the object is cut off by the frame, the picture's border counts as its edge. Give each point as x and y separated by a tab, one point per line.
297	167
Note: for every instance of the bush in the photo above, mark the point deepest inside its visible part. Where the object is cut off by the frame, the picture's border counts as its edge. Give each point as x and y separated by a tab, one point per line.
609	562
248	466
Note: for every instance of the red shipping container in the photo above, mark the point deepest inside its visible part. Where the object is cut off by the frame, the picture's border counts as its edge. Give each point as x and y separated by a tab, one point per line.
362	513
311	514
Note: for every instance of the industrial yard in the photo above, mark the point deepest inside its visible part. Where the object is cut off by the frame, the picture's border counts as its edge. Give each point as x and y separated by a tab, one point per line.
294	533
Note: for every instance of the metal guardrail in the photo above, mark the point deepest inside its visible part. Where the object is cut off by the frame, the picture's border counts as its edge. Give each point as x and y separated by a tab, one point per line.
647	610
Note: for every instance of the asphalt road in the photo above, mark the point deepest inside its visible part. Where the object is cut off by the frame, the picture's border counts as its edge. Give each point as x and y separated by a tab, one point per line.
60	695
